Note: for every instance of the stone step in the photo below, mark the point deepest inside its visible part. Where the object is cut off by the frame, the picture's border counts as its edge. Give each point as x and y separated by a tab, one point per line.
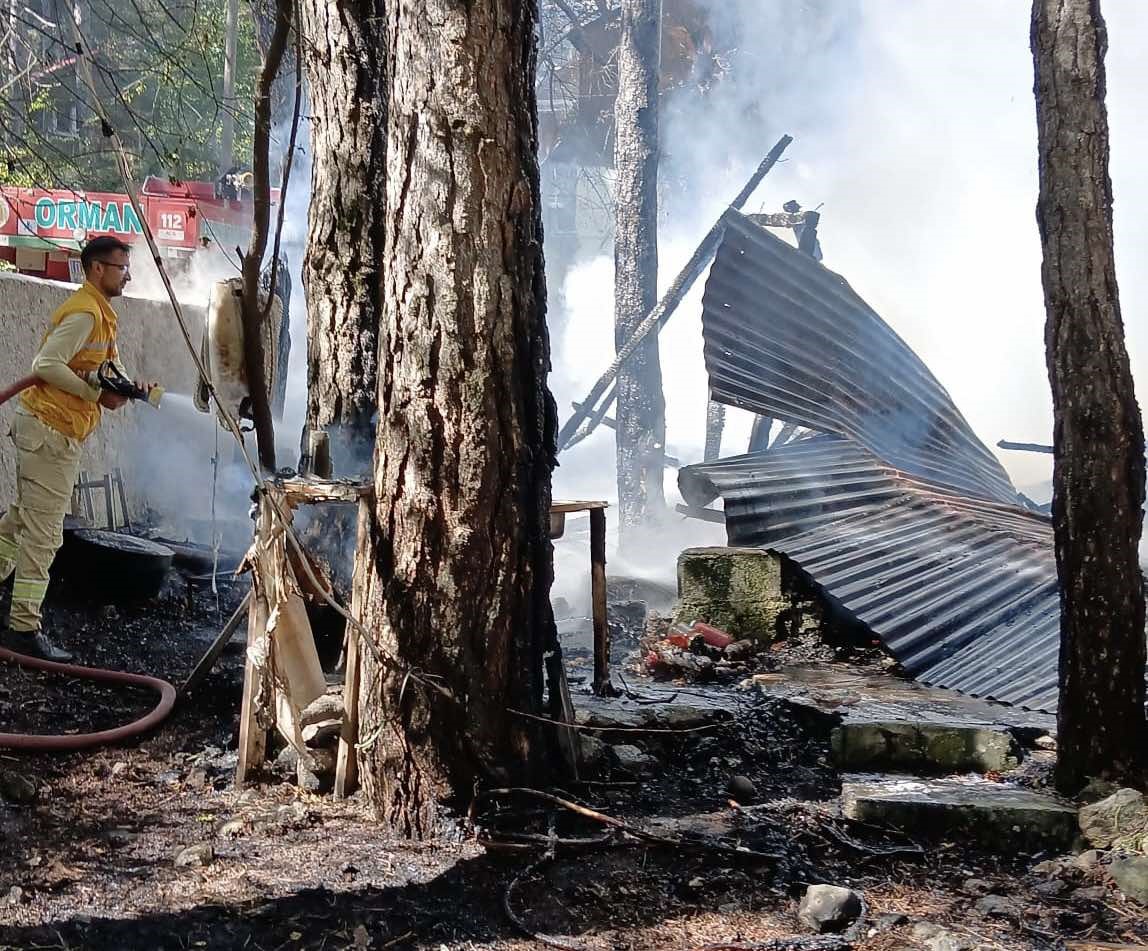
1002	817
930	747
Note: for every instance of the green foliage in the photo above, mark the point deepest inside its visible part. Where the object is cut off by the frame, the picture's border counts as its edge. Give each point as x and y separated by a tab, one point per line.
159	69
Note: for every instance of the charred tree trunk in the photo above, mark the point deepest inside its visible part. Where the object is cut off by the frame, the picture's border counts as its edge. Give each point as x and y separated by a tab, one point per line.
641	433
345	60
1099	439
466	437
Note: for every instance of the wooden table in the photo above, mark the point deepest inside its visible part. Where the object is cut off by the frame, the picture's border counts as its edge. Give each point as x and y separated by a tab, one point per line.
602	686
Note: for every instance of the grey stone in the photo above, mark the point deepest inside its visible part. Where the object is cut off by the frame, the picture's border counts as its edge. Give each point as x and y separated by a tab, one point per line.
1096	790
632	760
1001	817
234	828
741	790
935	938
195	856
322	734
1130	872
890	920
995	906
1087	860
197	779
1121	818
738	590
1045	742
1053	888
939	747
976	886
592	753
17	788
829	908
1090	893
14	895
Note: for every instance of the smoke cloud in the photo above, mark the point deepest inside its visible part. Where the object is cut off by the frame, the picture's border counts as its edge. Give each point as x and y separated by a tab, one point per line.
915	137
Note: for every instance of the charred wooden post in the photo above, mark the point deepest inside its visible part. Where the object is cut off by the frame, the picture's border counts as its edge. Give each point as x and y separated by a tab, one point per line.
602	685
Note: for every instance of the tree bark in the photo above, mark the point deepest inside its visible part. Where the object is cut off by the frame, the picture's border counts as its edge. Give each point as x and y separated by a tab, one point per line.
1098	483
462	563
641	432
346	64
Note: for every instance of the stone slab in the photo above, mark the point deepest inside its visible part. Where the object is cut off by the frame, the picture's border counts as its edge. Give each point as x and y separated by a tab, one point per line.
999	816
841	693
929	747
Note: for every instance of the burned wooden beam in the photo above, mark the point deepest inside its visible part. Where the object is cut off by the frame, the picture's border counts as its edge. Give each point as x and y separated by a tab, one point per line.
1025	446
608	421
653	322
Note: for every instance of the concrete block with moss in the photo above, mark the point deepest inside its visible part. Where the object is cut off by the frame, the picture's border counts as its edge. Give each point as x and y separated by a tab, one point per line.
747	592
934	747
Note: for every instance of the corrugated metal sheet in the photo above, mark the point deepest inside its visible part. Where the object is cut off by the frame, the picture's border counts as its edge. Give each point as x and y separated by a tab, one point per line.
961	590
899	513
786	337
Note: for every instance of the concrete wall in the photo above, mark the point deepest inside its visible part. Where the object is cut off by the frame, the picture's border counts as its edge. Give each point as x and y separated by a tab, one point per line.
151	348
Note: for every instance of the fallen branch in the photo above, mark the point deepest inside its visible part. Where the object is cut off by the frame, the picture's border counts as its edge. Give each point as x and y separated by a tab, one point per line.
642	834
622	729
507	898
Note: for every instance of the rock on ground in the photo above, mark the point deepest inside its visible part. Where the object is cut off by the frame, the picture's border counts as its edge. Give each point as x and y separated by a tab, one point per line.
1130	872
1119	818
935	938
632	760
829	908
17	788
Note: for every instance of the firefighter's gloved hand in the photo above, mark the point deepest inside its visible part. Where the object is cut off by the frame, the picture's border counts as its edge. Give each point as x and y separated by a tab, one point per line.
110	400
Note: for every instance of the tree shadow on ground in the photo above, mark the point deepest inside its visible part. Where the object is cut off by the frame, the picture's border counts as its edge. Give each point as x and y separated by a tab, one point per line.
464	904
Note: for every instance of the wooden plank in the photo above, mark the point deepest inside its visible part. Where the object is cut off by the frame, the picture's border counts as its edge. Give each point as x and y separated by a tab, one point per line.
123	500
106	482
568	507
309	491
252	737
562	711
703	514
602	686
207	661
347	763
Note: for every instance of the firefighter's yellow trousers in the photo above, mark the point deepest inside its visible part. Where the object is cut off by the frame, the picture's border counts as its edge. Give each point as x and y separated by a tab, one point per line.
33	529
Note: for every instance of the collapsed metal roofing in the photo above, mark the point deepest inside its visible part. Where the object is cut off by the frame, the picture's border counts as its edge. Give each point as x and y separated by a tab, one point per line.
898	511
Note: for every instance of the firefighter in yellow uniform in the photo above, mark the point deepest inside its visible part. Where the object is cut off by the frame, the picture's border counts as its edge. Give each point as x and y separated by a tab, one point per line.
53	419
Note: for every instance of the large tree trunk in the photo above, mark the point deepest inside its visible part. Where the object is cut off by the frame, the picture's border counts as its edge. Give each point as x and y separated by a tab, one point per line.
1099	440
346	66
466	435
641	431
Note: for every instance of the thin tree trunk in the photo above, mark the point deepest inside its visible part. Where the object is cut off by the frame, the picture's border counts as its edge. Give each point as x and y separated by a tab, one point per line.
641	432
346	62
466	436
1098	485
230	47
253	353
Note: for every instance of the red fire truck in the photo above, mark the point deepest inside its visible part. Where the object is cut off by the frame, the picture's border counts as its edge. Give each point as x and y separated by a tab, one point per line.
42	231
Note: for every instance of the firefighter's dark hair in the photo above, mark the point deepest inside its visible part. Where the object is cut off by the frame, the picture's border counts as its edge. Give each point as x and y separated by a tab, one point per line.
99	247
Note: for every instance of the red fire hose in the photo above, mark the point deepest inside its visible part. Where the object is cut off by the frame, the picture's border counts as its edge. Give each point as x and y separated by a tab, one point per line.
83	741
17	387
86	741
